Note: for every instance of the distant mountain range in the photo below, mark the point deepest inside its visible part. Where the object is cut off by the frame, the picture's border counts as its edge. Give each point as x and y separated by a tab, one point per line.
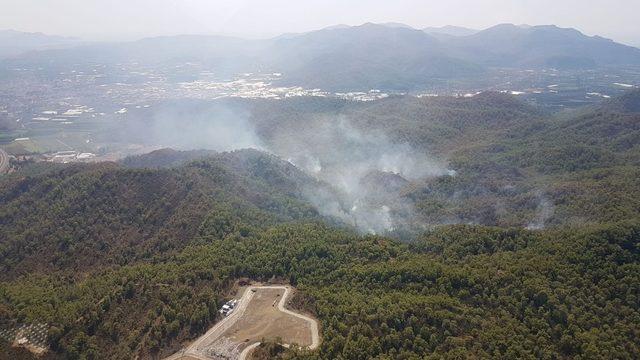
508	45
14	43
389	56
366	57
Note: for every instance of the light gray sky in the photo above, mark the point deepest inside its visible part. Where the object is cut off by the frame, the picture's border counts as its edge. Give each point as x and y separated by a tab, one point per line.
132	19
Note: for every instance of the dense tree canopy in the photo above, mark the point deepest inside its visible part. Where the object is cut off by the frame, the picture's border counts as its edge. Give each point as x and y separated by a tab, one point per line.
458	291
134	259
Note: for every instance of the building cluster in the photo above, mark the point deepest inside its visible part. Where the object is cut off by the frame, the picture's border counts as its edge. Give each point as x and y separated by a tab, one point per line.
64	157
65	116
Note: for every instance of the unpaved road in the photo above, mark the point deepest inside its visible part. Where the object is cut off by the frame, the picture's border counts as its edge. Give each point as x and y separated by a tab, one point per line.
247	351
197	349
315	335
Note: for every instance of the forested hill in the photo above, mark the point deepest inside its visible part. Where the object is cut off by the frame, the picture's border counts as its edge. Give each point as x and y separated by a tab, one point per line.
165	158
627	103
133	259
85	216
458	292
515	164
435	124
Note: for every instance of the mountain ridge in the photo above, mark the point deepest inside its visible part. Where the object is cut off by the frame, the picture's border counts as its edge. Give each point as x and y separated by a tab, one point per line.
15	43
364	57
543	46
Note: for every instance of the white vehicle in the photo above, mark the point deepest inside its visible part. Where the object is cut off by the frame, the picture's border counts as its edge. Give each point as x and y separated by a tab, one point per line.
227	308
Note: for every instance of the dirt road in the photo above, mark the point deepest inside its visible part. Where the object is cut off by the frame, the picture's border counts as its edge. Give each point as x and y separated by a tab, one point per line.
247	351
315	335
198	349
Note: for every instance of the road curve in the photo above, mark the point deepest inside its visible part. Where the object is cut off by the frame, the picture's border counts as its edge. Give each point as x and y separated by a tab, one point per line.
247	351
315	334
196	349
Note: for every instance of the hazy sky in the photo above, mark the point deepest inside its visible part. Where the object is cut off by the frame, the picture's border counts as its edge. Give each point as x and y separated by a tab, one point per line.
131	19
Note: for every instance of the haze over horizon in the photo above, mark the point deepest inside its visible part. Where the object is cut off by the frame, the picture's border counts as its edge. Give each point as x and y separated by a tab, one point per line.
120	20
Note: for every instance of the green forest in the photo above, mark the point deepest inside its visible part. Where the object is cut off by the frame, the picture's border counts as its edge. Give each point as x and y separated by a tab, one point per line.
133	259
457	292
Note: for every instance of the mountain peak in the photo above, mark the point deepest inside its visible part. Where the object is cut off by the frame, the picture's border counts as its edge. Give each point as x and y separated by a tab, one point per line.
373	25
544	46
337	27
397	25
504	26
450	30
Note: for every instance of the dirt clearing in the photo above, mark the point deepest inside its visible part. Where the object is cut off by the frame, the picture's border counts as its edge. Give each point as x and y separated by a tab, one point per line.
259	314
263	319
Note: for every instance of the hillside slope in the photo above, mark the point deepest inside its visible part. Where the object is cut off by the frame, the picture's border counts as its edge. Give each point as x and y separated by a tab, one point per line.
133	259
514	164
84	216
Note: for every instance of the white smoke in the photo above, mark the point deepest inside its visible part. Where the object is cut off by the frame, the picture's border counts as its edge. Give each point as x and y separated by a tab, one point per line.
365	170
188	125
217	128
339	154
544	212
